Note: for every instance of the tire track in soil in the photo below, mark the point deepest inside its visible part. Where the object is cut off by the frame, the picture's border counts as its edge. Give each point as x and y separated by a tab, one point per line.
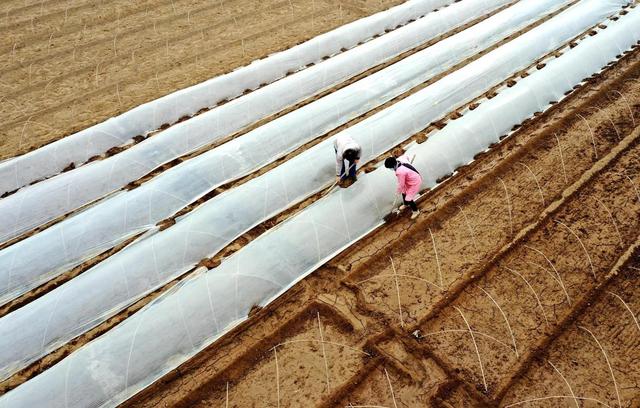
211	362
575	355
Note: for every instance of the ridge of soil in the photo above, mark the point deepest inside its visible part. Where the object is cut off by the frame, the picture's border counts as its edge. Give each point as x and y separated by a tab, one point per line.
475	241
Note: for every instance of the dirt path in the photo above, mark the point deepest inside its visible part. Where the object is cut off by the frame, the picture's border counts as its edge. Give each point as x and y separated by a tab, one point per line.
456	309
69	65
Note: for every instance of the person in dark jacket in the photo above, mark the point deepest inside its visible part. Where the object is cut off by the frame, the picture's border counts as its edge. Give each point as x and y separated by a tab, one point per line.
347	157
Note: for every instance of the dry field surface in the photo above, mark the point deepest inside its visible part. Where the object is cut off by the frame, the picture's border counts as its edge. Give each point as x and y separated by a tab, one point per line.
67	65
517	286
520	284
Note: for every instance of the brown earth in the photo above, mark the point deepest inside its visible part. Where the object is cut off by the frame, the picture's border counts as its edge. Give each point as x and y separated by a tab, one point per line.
170	221
69	65
516	254
55	356
519	282
600	347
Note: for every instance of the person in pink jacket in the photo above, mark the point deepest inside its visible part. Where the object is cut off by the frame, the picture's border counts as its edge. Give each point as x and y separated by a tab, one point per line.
409	182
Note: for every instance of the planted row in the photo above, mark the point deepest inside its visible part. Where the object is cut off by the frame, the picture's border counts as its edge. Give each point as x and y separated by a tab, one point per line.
65	245
79	147
71	309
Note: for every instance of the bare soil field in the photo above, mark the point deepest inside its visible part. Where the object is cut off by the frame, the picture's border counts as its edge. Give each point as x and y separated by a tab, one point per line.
517	286
69	65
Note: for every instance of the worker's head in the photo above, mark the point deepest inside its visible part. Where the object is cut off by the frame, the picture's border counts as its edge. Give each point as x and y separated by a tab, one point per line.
390	163
350	155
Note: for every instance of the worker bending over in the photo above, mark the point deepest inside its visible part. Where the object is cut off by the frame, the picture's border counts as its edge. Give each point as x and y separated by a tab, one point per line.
346	150
409	182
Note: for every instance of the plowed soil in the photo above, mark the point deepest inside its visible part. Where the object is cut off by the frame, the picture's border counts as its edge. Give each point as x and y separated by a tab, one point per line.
518	287
69	65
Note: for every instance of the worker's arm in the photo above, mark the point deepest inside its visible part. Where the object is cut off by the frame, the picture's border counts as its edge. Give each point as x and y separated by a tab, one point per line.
339	162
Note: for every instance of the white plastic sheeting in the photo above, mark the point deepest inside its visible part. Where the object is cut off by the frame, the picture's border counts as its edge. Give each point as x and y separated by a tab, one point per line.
68	243
198	311
49	199
89	299
79	147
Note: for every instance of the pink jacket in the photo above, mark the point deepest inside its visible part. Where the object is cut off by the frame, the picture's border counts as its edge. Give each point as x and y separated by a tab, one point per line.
409	181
